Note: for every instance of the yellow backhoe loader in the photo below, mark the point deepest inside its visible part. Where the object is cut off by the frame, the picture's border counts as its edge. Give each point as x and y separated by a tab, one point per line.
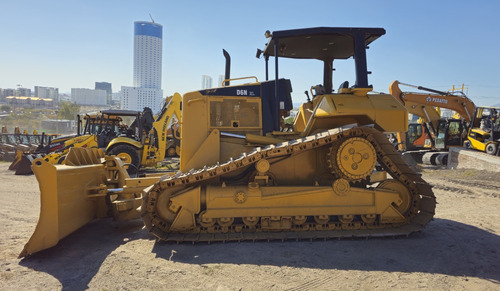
146	142
242	177
174	107
98	130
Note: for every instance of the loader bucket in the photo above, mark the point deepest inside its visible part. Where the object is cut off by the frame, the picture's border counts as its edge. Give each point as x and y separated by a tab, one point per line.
17	159
23	166
70	197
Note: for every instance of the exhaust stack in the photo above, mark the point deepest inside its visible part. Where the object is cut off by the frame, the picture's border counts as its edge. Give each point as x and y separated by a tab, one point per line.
227	74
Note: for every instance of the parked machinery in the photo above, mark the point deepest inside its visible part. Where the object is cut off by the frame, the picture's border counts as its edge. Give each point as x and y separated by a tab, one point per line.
93	130
430	139
148	142
13	145
484	130
242	178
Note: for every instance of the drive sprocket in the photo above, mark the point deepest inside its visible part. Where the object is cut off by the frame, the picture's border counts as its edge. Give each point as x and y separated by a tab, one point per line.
353	159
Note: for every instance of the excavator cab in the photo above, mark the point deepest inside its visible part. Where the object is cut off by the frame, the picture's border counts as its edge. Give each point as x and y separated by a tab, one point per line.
450	133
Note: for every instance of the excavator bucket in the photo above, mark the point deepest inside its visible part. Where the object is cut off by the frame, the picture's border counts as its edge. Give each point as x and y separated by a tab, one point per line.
70	197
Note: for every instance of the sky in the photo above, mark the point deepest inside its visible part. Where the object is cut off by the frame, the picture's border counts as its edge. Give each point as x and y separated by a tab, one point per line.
73	44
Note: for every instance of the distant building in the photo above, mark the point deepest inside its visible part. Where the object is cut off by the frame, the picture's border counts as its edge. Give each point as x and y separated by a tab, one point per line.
147	69
58	125
116	97
6	93
64	97
28	101
206	82
84	96
147	54
106	87
138	98
47	92
23	92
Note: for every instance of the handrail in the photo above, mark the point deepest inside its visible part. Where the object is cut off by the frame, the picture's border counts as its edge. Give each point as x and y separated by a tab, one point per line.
242	78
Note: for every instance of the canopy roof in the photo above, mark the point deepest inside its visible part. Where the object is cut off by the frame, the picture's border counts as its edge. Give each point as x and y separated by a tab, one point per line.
322	43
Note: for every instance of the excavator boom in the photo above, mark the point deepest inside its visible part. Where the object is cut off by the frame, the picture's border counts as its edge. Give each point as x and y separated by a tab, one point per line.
412	100
428	107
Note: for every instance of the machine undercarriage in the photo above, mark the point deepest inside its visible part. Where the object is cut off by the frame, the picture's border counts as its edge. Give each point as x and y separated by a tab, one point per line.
350	196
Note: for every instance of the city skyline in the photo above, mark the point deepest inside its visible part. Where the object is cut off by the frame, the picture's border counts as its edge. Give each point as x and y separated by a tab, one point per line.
452	46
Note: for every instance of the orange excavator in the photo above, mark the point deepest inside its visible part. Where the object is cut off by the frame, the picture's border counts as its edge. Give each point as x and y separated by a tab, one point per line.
428	139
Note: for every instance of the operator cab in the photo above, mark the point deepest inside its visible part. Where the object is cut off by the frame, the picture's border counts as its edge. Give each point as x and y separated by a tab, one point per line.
352	104
325	44
111	125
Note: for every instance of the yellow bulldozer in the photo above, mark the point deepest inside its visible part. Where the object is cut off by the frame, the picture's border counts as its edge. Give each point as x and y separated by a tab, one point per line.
243	177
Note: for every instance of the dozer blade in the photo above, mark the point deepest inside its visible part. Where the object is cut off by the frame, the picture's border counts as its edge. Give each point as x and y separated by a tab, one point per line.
69	199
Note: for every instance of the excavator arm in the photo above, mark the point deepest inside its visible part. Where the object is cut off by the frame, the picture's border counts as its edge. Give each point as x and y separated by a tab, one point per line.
170	111
427	105
460	104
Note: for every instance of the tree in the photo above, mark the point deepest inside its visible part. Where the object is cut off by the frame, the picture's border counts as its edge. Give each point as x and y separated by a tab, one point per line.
5	108
68	110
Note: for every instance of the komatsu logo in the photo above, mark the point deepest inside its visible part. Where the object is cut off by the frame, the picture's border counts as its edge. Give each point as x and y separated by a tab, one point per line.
436	100
240	92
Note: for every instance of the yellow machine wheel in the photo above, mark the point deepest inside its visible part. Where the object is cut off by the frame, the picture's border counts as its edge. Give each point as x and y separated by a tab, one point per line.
299	220
171	152
250	221
369	218
205	222
125	157
128	154
491	148
353	159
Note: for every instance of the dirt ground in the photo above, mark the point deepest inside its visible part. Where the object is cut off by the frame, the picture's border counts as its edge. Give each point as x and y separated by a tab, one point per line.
459	250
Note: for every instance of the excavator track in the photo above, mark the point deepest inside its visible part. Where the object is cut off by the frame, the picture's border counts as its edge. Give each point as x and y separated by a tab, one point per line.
421	204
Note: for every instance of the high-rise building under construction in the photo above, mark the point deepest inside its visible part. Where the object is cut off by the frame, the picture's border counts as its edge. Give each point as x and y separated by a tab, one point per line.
147	90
